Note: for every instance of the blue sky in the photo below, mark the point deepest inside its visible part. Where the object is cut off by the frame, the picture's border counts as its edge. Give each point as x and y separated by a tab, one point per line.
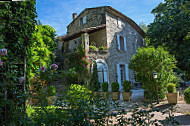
58	13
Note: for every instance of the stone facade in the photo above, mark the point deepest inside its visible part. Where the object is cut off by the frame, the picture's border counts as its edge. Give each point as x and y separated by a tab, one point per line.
121	36
94	16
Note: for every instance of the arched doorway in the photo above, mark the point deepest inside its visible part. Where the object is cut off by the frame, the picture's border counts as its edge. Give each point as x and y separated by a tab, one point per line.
102	71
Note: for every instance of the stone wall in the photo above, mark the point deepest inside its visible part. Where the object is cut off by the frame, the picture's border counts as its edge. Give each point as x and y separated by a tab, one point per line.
95	17
117	56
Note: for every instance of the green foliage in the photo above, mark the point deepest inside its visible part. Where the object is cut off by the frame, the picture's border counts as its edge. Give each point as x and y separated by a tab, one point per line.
42	50
102	48
171	87
51	90
105	87
16	27
126	86
115	87
71	76
94	84
157	60
171	29
49	115
77	93
79	61
93	47
187	95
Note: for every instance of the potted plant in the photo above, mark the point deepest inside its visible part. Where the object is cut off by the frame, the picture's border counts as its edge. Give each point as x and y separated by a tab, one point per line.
172	95
127	93
51	91
93	48
187	95
115	91
104	92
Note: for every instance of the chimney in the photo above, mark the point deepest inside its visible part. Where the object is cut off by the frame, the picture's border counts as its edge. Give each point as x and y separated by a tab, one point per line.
74	16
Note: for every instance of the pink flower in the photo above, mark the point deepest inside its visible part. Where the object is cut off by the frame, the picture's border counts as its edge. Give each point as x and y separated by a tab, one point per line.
1	63
43	69
22	79
3	52
53	67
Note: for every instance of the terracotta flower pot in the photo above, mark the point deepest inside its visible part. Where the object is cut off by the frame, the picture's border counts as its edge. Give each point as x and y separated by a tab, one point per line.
115	95
172	97
127	96
104	95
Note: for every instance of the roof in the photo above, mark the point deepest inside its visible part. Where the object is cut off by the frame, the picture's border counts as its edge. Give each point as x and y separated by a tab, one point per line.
91	29
129	20
85	30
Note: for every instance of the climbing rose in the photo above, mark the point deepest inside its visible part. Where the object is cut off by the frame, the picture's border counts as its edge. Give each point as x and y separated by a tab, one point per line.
22	79
42	69
1	63
53	67
3	52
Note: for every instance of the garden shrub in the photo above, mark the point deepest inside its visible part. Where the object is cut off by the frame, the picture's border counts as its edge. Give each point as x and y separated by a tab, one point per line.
171	87
51	90
78	93
149	60
105	87
94	84
115	87
187	95
127	85
49	115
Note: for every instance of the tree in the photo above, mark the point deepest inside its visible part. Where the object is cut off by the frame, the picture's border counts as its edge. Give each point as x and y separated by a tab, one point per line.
144	27
171	28
17	25
94	84
149	60
42	49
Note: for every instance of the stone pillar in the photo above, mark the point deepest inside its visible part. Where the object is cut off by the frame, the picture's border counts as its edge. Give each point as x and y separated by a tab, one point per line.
85	41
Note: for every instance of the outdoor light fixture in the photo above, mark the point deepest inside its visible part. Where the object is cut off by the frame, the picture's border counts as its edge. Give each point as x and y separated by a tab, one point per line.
155	75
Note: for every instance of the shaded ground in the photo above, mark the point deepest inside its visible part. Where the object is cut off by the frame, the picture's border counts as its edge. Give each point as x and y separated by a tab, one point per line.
181	111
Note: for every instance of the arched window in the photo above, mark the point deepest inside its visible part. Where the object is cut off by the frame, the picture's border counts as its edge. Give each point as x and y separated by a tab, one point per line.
102	73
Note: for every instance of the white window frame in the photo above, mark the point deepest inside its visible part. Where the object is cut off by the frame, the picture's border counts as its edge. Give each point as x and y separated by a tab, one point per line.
119	23
119	43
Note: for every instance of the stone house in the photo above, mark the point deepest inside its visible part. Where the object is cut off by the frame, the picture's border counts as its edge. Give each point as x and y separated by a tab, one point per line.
107	27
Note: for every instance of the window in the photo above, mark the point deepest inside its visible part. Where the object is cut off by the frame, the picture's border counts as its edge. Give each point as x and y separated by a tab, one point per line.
119	23
121	43
82	20
122	72
102	73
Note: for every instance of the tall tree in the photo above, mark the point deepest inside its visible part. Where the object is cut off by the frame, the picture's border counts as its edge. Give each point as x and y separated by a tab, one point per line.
157	60
171	28
42	49
17	25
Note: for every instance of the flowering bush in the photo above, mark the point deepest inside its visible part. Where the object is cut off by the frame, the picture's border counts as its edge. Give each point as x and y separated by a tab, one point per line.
42	69
53	67
3	52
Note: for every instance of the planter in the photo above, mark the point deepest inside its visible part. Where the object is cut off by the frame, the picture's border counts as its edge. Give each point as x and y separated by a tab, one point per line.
172	97
127	96
104	95
115	95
